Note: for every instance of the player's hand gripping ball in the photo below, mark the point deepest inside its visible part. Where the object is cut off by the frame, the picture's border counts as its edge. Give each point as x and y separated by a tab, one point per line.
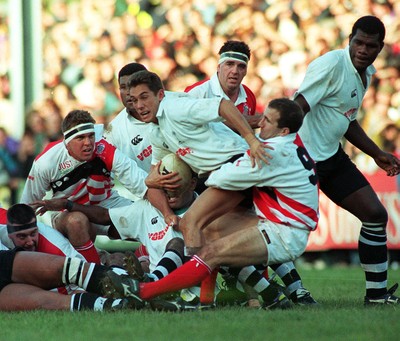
173	163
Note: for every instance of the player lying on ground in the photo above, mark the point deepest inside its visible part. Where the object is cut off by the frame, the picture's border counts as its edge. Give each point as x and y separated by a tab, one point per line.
26	277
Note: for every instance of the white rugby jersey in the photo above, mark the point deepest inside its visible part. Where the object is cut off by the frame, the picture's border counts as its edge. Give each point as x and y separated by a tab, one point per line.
285	191
193	129
143	222
130	136
87	182
334	91
3	247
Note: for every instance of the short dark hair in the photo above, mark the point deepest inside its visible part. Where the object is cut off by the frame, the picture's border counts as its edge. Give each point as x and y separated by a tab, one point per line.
20	214
76	117
371	25
130	69
235	45
291	114
148	78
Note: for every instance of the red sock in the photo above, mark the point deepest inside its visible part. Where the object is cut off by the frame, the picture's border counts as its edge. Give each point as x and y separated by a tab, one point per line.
207	288
189	274
89	252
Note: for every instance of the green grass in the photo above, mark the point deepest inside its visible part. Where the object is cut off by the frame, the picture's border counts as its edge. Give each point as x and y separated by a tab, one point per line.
340	316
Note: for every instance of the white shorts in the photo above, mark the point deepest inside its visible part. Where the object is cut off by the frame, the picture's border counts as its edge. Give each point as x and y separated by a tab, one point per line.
284	243
115	200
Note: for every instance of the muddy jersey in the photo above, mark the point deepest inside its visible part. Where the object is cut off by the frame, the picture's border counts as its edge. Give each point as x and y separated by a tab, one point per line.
88	182
143	222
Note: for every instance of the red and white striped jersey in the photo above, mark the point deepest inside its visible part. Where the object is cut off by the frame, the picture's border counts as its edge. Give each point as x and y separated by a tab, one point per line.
88	182
284	191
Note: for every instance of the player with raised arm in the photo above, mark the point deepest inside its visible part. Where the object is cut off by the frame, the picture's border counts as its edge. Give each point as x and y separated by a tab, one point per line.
287	208
227	83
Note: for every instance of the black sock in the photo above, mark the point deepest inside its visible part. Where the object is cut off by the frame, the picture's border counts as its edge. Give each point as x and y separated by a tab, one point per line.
372	249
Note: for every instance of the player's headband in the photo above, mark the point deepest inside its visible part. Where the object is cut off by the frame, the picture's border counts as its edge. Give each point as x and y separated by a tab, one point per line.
80	129
231	55
17	228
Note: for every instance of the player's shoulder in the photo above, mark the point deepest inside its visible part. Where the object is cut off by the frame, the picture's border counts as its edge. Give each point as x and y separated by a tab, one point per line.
330	59
51	150
118	118
250	94
198	84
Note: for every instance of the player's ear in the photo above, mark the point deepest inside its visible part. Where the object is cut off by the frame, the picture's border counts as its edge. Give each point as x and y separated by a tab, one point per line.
285	131
193	183
160	94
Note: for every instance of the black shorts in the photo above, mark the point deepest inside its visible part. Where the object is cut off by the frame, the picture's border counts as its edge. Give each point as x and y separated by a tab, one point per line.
6	265
339	176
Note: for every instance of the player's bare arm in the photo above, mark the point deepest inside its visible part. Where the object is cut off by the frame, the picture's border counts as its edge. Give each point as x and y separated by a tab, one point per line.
300	100
168	182
228	111
387	161
95	214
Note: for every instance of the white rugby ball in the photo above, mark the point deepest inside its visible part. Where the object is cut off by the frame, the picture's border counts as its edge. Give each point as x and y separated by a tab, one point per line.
173	163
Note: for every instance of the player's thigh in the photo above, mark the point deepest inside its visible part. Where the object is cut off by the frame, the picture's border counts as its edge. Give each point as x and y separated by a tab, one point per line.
23	297
240	248
284	243
238	219
210	205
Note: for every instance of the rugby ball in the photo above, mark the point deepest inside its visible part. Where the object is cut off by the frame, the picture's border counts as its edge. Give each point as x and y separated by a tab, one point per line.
173	163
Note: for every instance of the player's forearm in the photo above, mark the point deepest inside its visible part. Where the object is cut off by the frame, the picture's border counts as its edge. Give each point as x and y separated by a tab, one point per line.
95	214
357	136
159	200
235	119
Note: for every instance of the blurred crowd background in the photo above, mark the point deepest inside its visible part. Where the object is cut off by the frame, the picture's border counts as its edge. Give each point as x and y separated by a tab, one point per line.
86	42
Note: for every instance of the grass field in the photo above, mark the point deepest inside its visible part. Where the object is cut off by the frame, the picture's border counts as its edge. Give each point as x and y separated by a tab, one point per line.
340	316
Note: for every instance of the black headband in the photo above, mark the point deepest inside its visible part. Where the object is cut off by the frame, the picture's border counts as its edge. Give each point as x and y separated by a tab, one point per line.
17	228
78	129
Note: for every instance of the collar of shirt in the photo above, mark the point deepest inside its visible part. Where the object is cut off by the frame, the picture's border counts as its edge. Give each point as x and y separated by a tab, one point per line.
370	69
219	92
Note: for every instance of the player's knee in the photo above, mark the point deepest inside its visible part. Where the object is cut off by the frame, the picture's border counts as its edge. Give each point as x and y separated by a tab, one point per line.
376	214
188	222
176	244
76	223
209	254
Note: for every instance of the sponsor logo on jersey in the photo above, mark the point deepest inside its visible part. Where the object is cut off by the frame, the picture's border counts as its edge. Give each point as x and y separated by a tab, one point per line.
154	220
100	148
145	153
64	166
165	145
245	109
136	140
160	234
354	93
183	151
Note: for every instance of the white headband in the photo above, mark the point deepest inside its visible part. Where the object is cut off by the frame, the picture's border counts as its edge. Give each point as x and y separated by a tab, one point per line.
80	129
232	55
